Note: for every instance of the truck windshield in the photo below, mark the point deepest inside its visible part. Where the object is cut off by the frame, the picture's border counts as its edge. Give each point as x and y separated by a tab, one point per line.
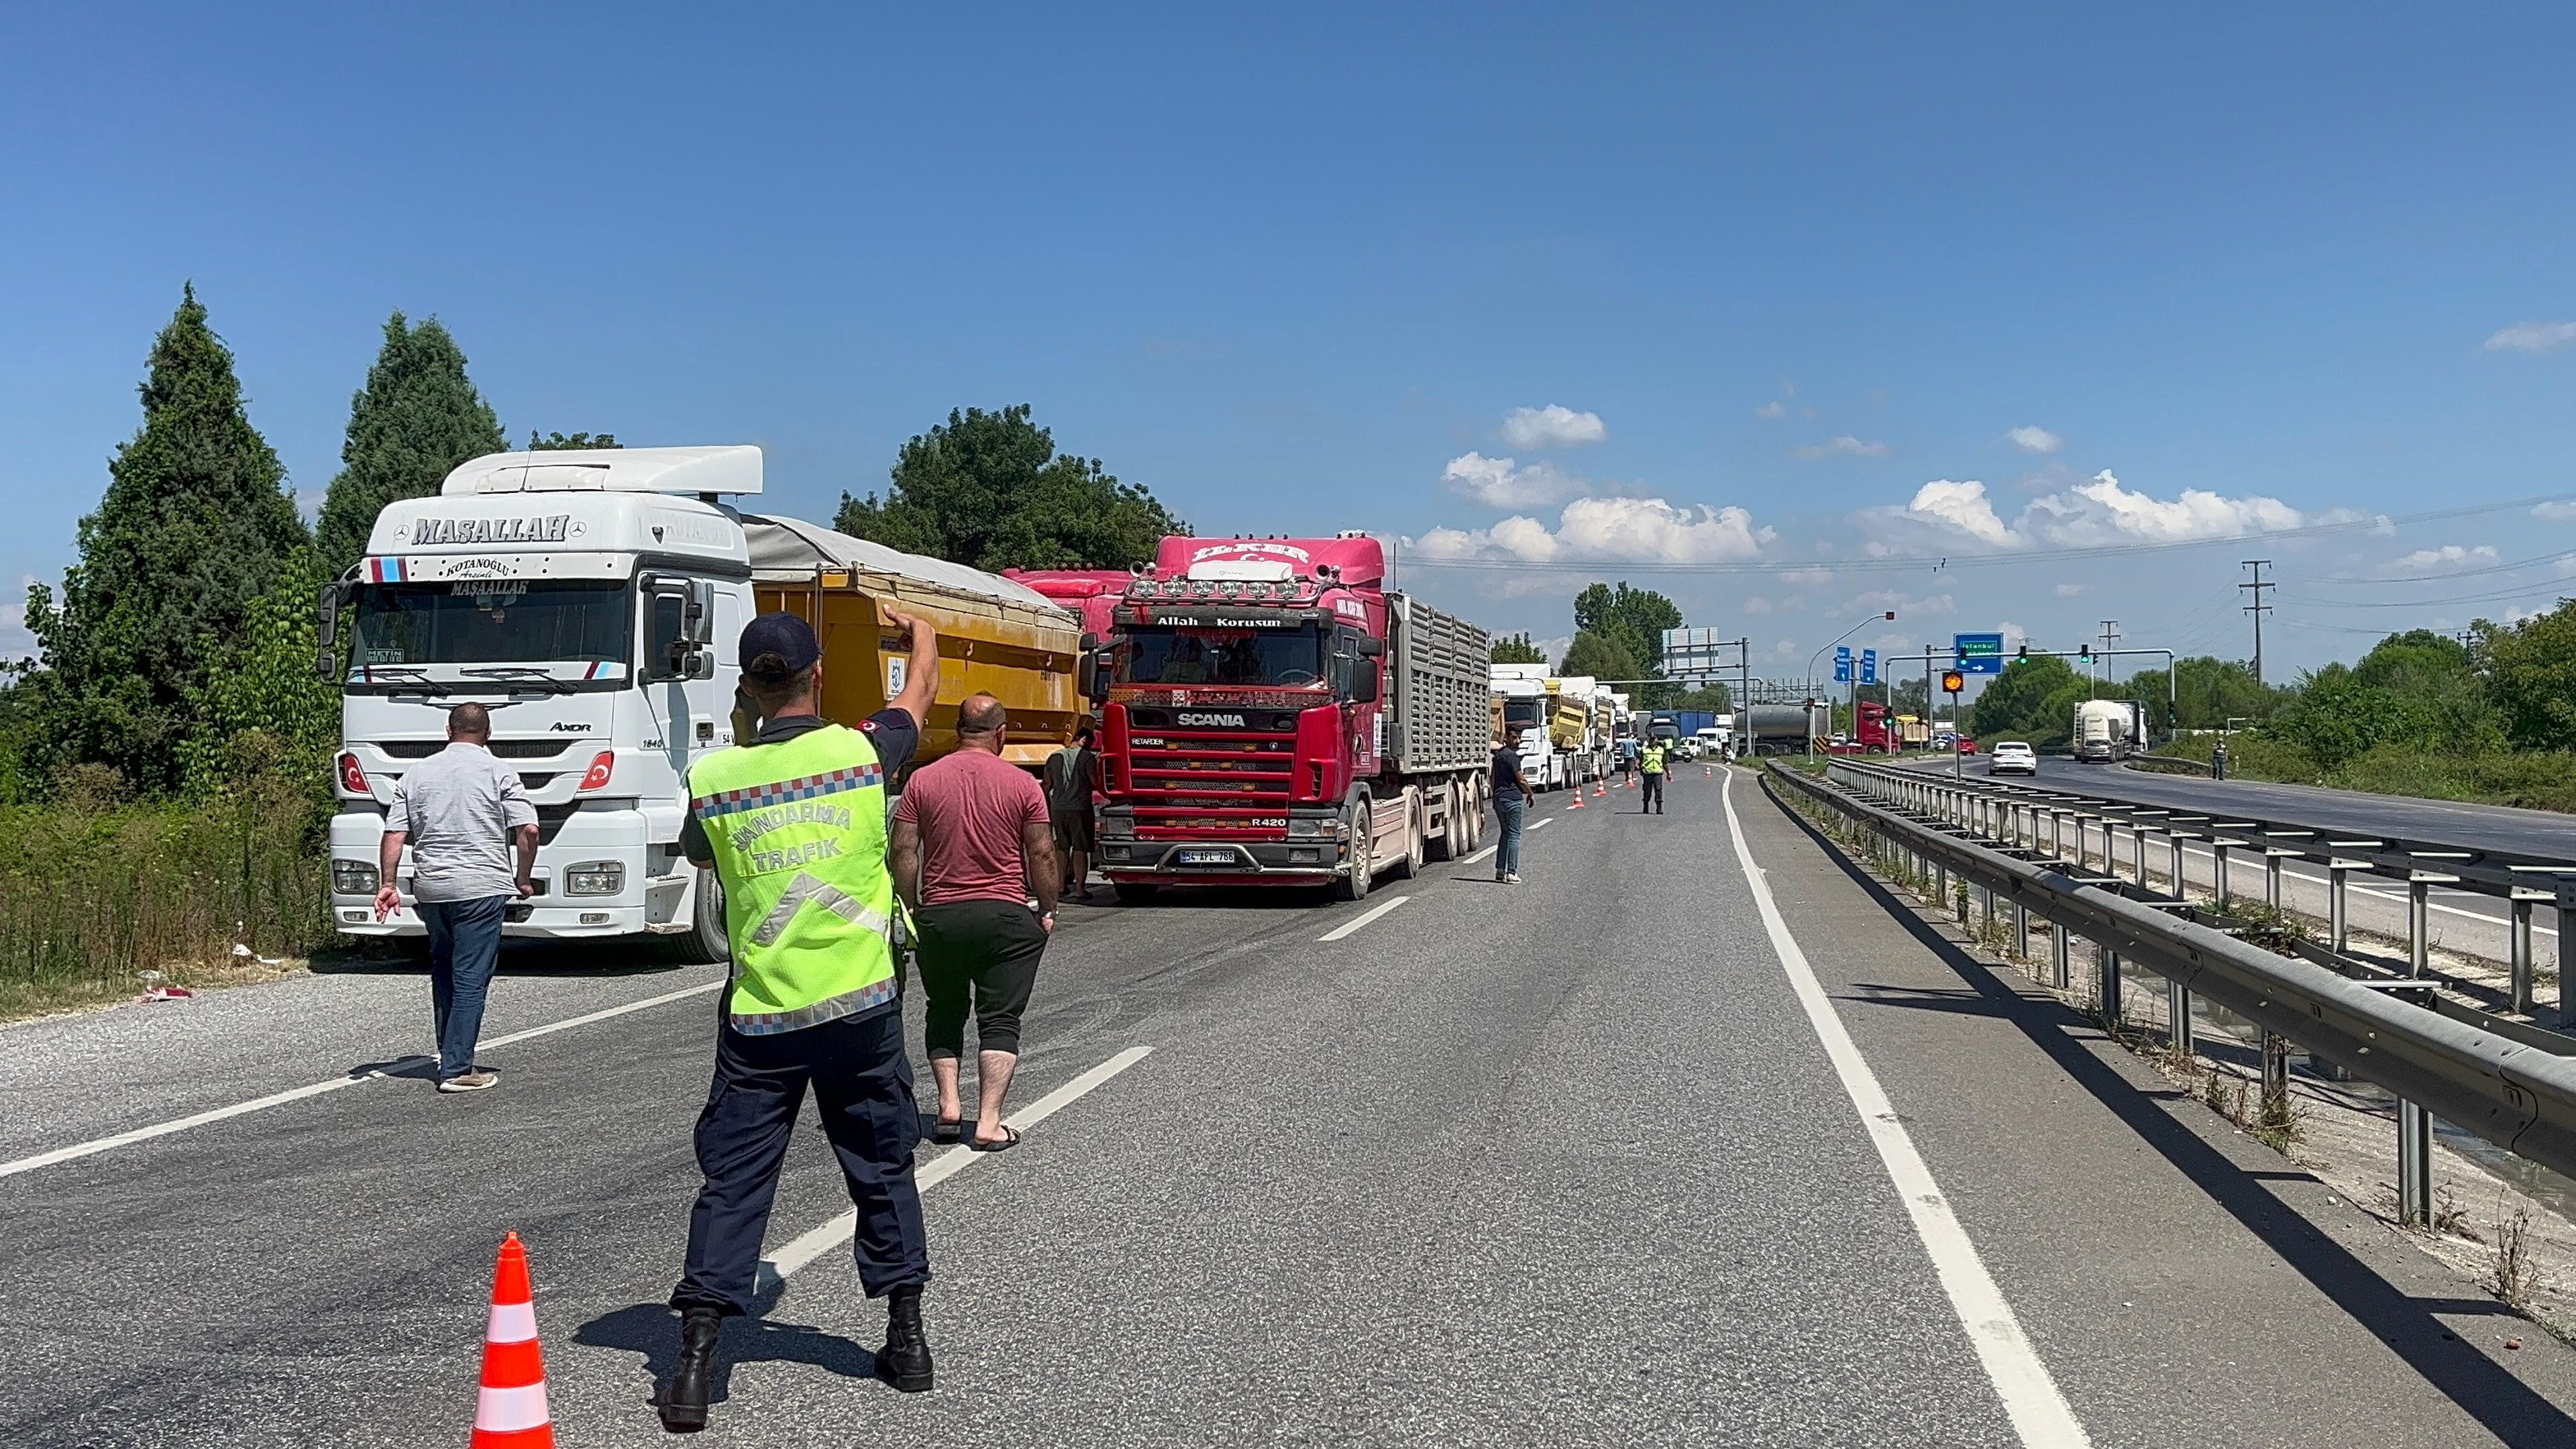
472	622
1527	713
1222	656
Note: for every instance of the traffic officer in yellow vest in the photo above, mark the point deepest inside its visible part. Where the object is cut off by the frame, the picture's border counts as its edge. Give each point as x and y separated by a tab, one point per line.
794	821
1651	764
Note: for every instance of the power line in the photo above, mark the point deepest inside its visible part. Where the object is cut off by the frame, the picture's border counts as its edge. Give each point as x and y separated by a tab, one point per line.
2503	568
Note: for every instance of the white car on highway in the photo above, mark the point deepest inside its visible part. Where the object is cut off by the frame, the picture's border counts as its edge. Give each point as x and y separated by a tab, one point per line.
2012	757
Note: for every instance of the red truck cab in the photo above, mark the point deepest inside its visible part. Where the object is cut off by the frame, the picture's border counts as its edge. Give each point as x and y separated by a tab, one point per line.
1271	715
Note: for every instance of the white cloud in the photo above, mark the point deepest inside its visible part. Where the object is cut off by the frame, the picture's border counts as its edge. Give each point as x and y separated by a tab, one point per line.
1552	427
1786	648
1807	578
1772	409
2072	591
2449	555
1555	648
2035	440
308	502
1756	604
2015	635
1503	483
1626	530
2555	512
16	640
2095	512
1845	445
2533	337
1905	607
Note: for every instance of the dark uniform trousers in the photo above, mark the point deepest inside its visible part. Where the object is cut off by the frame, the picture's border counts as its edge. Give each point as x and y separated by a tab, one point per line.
863	1084
1653	798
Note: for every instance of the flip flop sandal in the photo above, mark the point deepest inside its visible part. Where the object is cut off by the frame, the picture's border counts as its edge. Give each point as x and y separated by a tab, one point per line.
1010	1139
945	1131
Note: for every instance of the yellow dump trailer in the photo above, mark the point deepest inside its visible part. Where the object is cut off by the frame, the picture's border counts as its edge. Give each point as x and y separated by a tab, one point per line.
996	637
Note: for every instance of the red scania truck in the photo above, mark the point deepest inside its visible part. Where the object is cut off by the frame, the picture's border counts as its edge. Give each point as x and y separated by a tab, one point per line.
1273	715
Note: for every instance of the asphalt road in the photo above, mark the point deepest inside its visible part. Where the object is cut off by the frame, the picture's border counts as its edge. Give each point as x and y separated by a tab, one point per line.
1577	1162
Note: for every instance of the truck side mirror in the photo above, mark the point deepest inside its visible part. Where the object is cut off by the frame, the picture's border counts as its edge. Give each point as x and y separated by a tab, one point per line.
1364	679
326	653
1091	674
1371	646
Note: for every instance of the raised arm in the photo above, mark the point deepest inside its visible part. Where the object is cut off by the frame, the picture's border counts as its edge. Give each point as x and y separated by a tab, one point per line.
921	675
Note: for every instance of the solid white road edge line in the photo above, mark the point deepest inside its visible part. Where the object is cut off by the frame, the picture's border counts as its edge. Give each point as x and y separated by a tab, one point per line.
1347	927
1480	855
2039	1413
297	1094
1540	824
780	1265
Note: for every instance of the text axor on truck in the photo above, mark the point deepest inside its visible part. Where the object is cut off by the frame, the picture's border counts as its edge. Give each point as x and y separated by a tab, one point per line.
1274	715
592	601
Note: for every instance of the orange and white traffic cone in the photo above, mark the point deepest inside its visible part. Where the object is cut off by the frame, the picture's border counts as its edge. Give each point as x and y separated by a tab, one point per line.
1577	803
1601	787
510	1412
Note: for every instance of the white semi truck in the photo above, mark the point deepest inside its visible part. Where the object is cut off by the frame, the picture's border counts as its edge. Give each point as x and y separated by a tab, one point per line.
2108	729
1521	699
591	600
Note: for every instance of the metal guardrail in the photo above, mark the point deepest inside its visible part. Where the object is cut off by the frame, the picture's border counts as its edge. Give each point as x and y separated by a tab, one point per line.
2523	882
2516	1090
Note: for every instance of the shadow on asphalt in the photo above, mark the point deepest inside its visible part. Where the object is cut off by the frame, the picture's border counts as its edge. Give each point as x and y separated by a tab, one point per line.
519	957
653	1330
2507	1407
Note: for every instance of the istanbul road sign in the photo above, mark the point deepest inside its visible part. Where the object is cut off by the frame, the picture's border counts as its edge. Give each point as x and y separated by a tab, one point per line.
1978	653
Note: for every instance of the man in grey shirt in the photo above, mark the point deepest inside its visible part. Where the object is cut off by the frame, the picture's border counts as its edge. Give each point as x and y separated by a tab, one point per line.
465	814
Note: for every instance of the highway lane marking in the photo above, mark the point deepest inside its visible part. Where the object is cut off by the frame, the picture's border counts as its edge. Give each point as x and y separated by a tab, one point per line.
1480	855
800	1253
1542	824
2039	1413
1347	927
297	1094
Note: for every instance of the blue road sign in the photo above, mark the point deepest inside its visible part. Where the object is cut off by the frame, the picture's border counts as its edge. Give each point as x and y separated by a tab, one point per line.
1978	653
1869	666
1842	664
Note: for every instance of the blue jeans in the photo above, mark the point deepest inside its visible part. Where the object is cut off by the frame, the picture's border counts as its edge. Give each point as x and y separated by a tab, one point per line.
1508	809
464	947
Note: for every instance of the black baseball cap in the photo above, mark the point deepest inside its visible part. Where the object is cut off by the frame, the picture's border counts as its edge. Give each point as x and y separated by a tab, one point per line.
788	638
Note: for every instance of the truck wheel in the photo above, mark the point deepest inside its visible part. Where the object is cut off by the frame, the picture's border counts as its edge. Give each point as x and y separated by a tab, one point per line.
1355	885
1133	893
1452	821
704	943
1410	864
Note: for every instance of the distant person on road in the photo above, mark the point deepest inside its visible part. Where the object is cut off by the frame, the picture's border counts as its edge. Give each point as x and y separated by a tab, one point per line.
1651	764
473	838
971	848
2218	761
793	819
1627	760
1511	806
1069	773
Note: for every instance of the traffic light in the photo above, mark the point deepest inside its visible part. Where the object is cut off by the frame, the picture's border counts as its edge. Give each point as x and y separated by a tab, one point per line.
1952	681
2024	656
2084	653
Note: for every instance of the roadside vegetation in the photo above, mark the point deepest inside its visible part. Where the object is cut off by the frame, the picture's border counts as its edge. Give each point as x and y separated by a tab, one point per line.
165	753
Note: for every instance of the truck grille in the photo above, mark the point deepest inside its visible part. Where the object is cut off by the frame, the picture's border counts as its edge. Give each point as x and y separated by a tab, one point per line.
1225	784
501	749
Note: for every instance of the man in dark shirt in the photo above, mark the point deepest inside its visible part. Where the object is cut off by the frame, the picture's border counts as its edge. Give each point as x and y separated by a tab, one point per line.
1511	803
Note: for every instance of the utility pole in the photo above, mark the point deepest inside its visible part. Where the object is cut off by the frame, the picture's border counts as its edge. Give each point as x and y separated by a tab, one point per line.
2258	608
2110	641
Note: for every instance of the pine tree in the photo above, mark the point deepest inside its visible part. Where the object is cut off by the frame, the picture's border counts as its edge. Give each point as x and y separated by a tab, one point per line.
414	421
195	528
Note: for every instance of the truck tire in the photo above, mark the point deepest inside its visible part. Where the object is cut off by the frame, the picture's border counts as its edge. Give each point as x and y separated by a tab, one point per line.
1133	892
1409	866
1363	855
704	943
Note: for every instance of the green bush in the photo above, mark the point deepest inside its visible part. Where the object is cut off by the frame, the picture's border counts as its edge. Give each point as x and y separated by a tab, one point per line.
94	890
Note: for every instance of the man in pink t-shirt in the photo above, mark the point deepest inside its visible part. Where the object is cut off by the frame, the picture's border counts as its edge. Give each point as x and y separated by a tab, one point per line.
971	847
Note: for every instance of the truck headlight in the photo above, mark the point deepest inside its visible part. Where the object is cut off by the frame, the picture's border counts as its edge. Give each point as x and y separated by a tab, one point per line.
595	878
1312	829
1117	827
353	878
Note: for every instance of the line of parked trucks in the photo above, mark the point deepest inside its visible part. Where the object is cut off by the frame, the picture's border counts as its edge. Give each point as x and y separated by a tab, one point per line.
1269	711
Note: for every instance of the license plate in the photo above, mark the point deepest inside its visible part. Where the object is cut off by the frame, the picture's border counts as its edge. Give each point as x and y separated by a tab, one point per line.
1208	857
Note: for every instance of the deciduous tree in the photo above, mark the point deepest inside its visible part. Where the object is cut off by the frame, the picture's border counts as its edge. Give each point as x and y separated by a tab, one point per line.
1517	649
990	490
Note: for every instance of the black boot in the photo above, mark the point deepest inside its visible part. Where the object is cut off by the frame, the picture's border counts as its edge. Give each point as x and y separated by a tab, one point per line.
684	1400
905	1361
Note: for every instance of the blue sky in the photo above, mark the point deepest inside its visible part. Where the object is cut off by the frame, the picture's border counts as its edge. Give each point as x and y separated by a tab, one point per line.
1298	271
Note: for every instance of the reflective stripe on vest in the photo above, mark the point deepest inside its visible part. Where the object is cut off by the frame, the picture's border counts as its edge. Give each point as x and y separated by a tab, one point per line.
798	829
1654	760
